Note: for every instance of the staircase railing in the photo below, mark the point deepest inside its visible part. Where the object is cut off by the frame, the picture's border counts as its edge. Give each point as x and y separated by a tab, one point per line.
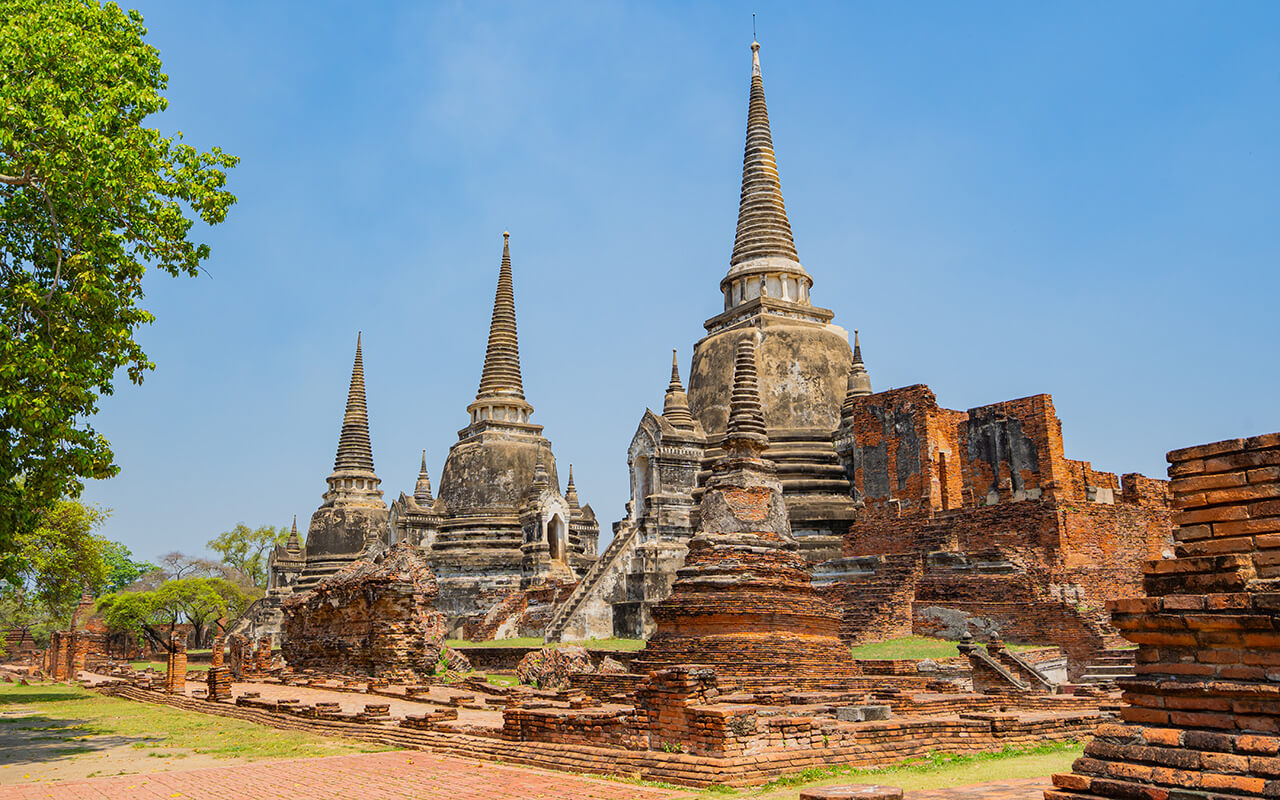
560	618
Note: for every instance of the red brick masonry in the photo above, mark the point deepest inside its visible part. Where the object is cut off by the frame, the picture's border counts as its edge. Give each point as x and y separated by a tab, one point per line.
1203	719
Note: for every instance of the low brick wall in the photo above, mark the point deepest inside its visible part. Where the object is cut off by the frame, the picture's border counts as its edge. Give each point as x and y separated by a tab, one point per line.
878	743
603	687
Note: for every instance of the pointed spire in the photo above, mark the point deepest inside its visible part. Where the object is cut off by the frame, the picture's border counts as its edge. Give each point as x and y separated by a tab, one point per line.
354	450
422	491
859	381
294	545
763	227
540	477
675	406
501	376
571	492
746	434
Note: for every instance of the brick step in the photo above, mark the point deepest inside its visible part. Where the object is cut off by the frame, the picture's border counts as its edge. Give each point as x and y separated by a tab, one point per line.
1101	679
1111	664
1110	669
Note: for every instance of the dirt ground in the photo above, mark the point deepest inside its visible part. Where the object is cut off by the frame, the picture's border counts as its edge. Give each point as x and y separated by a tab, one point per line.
42	752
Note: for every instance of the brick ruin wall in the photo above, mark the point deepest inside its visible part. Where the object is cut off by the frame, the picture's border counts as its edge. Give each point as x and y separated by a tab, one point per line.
978	520
525	612
1202	718
72	651
372	618
18	644
387	632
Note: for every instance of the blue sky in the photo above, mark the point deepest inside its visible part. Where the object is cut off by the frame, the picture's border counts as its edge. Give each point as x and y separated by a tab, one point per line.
1005	198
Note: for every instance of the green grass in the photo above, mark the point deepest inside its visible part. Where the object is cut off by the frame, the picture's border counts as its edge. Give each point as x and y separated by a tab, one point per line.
537	641
626	645
937	771
71	713
160	666
521	641
916	647
502	680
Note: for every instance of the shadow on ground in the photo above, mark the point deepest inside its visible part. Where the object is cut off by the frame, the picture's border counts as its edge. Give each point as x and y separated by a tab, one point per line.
35	738
27	698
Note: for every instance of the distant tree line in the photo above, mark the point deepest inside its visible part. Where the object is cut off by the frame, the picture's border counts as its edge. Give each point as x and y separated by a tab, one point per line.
64	558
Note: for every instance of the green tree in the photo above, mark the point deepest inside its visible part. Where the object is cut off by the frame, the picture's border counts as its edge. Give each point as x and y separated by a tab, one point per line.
122	570
246	549
89	197
62	558
155	614
134	613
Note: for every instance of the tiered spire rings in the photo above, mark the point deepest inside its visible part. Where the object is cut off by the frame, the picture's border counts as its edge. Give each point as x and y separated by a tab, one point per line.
501	394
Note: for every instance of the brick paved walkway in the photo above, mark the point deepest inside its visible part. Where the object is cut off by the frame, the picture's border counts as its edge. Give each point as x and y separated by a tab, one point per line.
375	776
1024	789
408	775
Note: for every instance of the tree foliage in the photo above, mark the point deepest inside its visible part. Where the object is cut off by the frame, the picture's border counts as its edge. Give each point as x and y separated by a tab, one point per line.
89	197
154	614
121	569
63	557
247	549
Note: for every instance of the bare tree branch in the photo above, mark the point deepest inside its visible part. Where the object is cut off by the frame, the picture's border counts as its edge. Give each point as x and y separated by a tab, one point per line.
22	180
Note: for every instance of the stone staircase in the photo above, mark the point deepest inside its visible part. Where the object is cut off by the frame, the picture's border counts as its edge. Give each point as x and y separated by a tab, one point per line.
623	543
1109	666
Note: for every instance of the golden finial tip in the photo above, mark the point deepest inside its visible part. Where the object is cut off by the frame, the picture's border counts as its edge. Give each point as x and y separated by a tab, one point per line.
506	234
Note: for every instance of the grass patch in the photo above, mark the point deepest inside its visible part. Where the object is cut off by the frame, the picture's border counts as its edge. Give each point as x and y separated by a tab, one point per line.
502	680
71	714
936	771
625	645
916	647
160	666
521	641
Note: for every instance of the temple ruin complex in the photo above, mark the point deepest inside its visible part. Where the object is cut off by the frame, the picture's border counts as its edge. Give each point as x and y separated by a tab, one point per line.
915	518
502	541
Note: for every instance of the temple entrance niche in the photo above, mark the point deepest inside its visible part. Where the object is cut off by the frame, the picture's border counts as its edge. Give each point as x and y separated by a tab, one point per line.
640	480
556	537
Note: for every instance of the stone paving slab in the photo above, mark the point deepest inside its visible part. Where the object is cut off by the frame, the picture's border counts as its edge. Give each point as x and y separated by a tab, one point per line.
399	774
1022	789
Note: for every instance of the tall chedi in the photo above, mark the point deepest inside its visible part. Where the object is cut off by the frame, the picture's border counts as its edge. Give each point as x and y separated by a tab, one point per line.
804	360
504	526
804	363
743	602
353	514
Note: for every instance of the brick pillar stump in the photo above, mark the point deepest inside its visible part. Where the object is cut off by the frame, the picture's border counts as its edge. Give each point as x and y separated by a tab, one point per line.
175	677
79	656
856	791
219	681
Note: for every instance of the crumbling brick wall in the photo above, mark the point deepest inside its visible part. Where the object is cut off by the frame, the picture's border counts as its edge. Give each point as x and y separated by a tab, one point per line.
1203	711
18	644
369	619
979	514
